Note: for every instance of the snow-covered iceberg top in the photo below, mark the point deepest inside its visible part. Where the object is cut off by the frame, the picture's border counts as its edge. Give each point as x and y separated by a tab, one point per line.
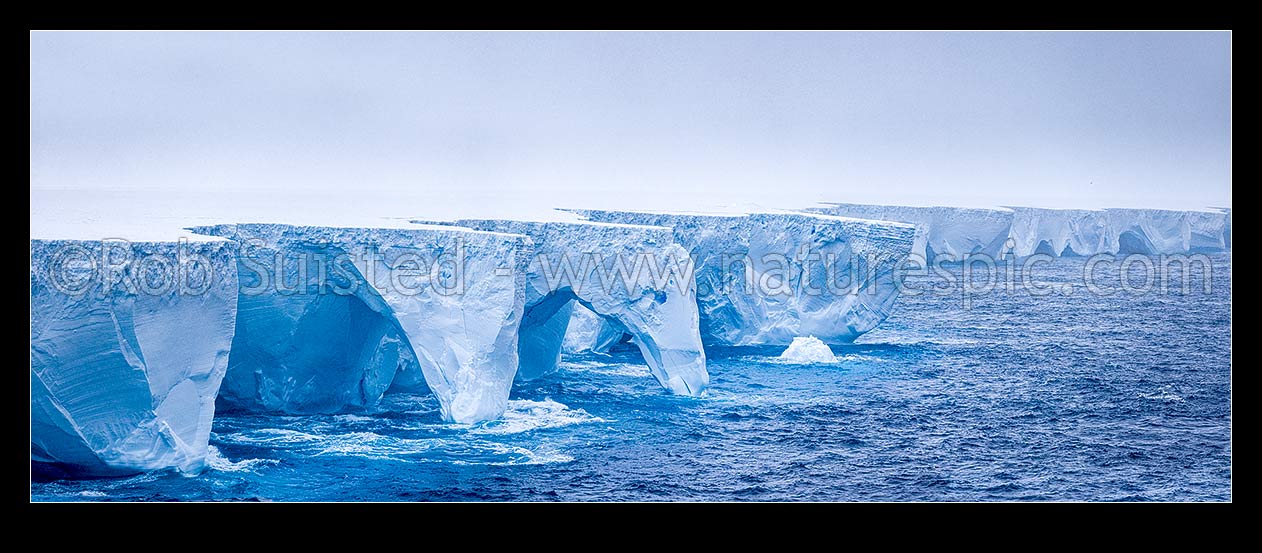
333	317
129	343
956	232
808	349
765	278
634	277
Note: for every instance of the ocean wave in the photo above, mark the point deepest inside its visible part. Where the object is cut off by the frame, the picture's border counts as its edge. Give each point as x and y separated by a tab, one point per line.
612	369
524	415
516	455
272	437
1165	393
217	462
353	418
892	339
371	445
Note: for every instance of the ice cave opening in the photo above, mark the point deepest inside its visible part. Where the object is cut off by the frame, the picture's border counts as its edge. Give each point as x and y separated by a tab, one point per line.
546	323
1130	242
1045	248
314	353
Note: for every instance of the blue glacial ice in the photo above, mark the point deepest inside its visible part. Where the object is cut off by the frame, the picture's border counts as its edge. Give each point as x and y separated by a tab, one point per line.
939	230
386	304
1084	232
631	277
767	278
129	343
1024	231
315	319
591	333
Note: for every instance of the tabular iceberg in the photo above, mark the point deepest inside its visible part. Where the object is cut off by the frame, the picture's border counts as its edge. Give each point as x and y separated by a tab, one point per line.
634	277
1160	231
1084	232
129	343
1025	231
331	318
1060	232
950	231
766	278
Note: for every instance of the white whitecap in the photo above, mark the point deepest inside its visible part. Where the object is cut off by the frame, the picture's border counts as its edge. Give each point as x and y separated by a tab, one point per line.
524	415
1166	393
216	461
268	437
613	369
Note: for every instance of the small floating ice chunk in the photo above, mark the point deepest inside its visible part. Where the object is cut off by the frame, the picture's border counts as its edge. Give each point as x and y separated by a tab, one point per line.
808	349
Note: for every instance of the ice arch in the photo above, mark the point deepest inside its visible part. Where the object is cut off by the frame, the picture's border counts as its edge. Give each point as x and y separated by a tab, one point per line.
413	309
1022	231
947	231
305	349
656	304
1129	242
838	272
589	332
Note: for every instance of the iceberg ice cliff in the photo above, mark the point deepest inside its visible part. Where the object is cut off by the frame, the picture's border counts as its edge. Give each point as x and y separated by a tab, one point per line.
1085	232
632	277
939	230
1025	231
129	343
331	318
766	278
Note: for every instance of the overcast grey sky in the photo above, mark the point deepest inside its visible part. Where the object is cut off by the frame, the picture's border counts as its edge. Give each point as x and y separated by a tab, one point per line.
683	119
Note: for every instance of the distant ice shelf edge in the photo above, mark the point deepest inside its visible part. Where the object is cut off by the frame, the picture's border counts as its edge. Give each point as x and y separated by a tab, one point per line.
125	382
1056	232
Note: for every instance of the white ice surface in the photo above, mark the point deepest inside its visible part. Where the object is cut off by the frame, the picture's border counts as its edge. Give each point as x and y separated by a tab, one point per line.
808	349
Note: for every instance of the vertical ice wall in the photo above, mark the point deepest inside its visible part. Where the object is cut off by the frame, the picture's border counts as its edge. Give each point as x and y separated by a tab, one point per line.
766	278
129	343
1024	231
950	231
333	317
635	277
1085	232
1061	232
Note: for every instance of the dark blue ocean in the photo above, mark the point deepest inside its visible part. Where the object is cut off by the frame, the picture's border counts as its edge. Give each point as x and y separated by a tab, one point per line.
1018	396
